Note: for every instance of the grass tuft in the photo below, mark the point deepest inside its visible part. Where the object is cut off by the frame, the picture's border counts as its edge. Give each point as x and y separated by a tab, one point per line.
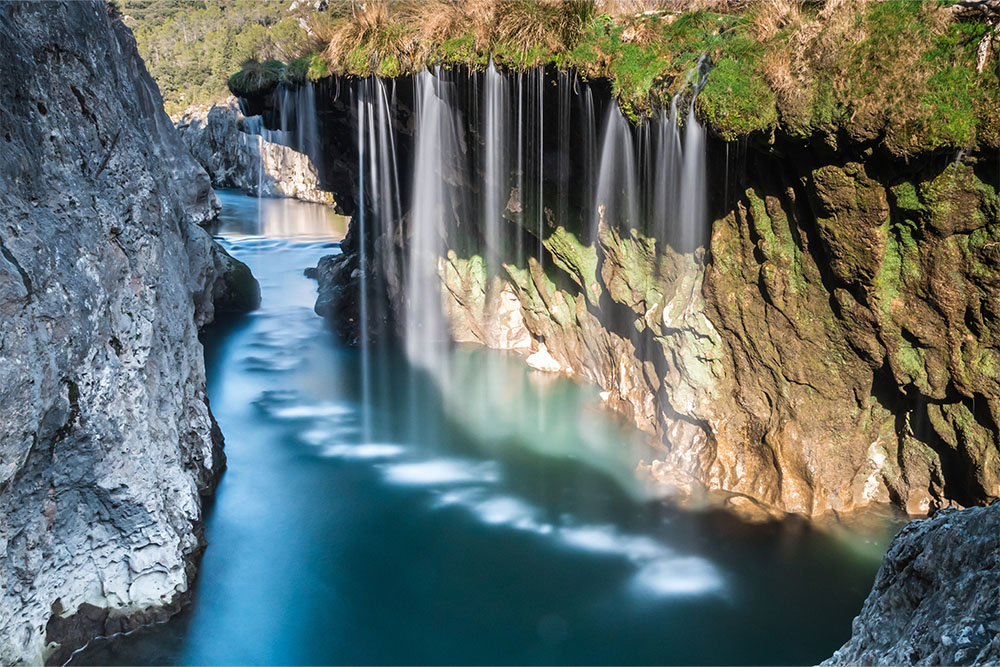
256	78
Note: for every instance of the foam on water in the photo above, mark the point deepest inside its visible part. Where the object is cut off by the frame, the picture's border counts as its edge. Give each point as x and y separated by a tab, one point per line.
326	409
363	451
329	435
674	575
659	570
441	471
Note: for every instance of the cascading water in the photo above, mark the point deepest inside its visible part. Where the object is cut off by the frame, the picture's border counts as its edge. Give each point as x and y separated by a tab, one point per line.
436	151
616	197
693	211
307	132
495	167
666	178
364	130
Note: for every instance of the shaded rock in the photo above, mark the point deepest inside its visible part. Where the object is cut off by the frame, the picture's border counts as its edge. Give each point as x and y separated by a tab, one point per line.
935	600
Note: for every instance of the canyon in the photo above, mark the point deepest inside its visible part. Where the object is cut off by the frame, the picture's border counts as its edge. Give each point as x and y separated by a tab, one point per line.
797	320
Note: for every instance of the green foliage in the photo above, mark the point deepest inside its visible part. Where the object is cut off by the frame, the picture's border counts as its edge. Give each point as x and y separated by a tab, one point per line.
309	67
256	78
191	47
736	100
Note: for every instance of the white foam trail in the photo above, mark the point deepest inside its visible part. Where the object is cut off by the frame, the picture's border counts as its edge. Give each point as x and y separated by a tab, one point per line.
322	436
365	451
659	570
607	540
441	471
676	576
496	510
313	411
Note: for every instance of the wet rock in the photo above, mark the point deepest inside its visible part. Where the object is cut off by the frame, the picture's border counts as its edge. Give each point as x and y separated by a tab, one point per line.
107	443
935	596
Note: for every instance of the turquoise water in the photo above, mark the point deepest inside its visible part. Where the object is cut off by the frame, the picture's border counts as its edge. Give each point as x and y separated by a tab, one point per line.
476	524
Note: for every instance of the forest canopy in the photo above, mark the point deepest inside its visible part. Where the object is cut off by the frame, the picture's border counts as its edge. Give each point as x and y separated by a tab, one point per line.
192	46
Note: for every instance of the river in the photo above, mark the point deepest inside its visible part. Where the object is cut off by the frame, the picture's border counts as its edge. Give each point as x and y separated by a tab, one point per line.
461	532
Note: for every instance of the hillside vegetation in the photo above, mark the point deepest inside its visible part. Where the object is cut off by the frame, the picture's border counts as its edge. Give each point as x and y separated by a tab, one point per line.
192	46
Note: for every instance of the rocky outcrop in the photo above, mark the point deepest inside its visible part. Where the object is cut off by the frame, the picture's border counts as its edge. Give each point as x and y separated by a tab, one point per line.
827	344
235	158
935	599
107	443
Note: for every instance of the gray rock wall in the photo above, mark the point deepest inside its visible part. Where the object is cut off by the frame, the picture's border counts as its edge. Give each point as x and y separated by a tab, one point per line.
106	439
936	598
237	159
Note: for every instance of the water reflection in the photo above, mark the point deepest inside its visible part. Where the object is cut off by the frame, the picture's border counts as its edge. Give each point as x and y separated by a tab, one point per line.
278	218
507	530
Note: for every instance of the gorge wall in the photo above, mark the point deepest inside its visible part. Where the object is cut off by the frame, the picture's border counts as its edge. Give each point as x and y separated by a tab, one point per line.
236	154
934	600
824	337
107	443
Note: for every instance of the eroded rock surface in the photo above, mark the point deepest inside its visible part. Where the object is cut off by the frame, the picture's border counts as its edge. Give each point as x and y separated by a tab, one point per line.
106	439
234	158
935	600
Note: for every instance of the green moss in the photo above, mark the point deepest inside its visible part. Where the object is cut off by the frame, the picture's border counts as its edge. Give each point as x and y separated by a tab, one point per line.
389	67
736	101
459	50
310	67
256	78
576	259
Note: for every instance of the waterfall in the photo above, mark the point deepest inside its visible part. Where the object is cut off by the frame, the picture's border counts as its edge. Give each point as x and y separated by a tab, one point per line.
616	196
377	213
494	169
519	170
484	165
364	123
565	121
693	199
435	155
666	178
693	211
540	164
588	123
307	131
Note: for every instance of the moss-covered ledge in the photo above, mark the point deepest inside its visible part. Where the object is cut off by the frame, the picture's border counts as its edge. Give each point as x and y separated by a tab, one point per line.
902	73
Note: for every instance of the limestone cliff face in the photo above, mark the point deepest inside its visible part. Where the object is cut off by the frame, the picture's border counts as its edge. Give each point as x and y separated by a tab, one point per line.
106	439
234	158
830	342
833	345
935	599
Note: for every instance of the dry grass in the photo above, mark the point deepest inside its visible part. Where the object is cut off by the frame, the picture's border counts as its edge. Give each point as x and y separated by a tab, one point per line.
770	17
634	7
408	30
378	27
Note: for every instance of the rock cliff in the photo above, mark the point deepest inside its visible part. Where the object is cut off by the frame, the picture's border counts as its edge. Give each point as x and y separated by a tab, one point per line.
935	597
107	444
235	158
